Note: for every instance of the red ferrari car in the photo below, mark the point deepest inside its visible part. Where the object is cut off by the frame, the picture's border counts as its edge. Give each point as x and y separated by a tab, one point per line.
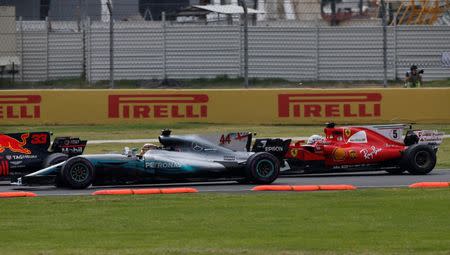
359	148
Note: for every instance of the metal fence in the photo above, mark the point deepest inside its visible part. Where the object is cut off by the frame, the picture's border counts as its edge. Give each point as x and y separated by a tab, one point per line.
146	50
150	50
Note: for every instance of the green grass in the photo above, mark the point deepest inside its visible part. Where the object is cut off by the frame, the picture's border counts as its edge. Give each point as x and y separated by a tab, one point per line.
443	83
364	221
443	155
150	131
110	147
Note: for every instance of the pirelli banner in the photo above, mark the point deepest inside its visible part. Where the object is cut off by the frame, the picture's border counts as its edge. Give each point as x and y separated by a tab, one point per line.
263	106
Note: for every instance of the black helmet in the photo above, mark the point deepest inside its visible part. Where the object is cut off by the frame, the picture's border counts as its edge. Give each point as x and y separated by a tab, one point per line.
413	67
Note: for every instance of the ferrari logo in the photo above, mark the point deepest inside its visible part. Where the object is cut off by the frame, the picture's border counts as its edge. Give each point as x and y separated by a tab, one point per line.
294	152
352	154
347	132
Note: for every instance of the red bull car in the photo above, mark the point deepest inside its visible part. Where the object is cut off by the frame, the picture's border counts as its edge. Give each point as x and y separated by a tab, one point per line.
359	148
23	153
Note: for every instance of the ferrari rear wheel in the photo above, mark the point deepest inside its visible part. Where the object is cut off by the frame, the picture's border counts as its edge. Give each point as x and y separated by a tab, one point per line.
77	173
262	168
419	159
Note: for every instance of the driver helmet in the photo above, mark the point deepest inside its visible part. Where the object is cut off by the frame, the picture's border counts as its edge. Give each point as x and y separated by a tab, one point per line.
314	138
413	67
147	147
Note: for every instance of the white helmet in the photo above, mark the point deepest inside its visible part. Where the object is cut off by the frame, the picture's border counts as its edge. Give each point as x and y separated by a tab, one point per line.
314	138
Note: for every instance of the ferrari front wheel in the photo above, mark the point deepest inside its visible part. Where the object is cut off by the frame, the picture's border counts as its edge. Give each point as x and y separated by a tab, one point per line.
262	168
419	159
78	173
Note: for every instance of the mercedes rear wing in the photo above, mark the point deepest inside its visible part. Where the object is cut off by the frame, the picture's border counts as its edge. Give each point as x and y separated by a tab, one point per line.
236	141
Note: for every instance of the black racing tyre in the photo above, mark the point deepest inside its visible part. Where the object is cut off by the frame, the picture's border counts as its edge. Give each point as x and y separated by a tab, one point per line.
395	171
419	159
262	168
77	173
54	159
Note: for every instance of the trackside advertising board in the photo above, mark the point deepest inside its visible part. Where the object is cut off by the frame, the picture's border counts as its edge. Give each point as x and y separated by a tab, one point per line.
262	106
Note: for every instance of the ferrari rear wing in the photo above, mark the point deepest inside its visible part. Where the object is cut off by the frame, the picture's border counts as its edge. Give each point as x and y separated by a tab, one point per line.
433	138
394	132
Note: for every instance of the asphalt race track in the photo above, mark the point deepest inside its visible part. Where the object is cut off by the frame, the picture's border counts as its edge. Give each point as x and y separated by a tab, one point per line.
360	180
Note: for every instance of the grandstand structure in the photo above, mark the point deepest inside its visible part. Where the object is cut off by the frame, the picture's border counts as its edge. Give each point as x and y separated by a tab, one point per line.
421	12
334	12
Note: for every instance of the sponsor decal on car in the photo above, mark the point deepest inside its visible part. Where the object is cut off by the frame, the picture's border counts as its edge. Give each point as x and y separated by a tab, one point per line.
229	158
431	137
370	153
20	157
14	145
347	132
158	106
20	107
4	168
162	164
351	166
329	105
241	136
352	154
294	152
197	147
339	154
318	148
274	148
71	149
